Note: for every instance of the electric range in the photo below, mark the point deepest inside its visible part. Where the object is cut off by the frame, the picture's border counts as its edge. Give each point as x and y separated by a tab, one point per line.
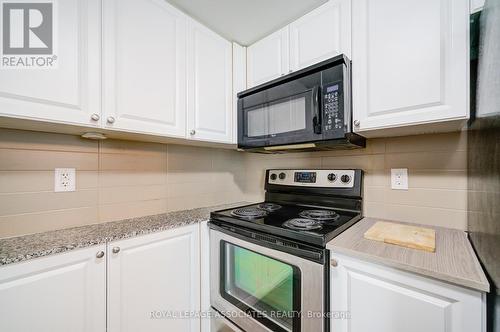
268	261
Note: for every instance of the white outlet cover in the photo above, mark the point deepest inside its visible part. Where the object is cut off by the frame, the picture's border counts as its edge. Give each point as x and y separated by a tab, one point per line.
399	178
64	179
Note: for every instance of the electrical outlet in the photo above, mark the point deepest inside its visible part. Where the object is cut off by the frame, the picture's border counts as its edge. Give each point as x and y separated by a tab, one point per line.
64	179
399	178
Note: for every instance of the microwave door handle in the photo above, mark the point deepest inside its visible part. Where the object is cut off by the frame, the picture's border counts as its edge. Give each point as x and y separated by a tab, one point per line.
316	110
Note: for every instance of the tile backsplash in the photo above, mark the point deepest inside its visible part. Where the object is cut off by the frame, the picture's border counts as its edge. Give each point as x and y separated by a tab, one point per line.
121	179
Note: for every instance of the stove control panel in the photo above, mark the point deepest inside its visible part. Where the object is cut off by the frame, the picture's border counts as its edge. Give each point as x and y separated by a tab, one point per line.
312	178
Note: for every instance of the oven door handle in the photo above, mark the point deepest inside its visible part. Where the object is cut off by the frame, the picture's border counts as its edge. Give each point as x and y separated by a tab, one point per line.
316	110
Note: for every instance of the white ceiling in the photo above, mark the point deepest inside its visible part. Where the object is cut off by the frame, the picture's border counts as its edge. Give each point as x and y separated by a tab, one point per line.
245	21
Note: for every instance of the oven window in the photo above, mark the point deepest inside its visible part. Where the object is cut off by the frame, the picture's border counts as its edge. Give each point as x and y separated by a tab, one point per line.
263	285
278	117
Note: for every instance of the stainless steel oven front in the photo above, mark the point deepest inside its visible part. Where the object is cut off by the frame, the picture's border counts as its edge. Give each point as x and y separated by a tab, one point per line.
265	283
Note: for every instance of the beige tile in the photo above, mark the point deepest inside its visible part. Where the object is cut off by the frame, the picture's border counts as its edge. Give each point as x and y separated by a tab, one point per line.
119	211
435	198
34	160
422	215
448	142
437	179
427	160
131	178
33	140
365	162
179	176
45	201
377	178
133	162
187	189
132	147
22	224
35	181
123	194
190	202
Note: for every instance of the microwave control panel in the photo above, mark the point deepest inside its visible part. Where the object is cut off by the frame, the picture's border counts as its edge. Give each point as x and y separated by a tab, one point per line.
333	117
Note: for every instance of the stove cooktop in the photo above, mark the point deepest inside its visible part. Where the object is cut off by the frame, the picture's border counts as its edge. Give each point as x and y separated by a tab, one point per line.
309	224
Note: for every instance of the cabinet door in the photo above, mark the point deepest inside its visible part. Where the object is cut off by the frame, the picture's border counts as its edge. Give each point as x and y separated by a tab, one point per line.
68	92
209	85
369	297
268	58
60	293
144	67
239	82
153	280
321	34
409	62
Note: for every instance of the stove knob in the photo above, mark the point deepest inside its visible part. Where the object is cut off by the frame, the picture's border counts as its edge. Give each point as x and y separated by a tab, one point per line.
282	176
273	176
332	177
345	178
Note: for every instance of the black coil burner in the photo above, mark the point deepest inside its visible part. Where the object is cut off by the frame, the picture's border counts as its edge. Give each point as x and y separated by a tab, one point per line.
249	213
320	215
302	224
270	207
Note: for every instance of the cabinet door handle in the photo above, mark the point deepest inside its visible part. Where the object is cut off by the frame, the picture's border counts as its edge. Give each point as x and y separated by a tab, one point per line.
356	123
192	132
110	119
95	117
116	250
100	254
333	262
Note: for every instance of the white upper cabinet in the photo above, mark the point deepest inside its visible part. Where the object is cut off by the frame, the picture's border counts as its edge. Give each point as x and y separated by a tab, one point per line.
144	65
321	34
69	91
268	58
60	293
239	82
381	299
151	278
409	62
210	110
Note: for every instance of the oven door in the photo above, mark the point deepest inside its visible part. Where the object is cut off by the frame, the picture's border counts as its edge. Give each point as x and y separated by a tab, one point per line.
263	289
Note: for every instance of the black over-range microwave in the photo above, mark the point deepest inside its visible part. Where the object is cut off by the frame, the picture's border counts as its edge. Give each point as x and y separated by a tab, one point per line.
307	110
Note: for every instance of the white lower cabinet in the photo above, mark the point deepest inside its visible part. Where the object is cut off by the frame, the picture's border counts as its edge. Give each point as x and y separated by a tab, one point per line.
60	293
153	280
382	299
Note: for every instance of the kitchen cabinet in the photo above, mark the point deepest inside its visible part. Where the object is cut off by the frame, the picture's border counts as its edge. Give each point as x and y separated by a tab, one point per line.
210	108
371	297
321	34
476	5
409	65
268	58
153	280
60	293
69	91
239	82
144	67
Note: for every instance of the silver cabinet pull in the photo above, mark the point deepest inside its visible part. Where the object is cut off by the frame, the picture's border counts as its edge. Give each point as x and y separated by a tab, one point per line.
192	132
95	117
356	123
116	250
110	119
333	262
100	254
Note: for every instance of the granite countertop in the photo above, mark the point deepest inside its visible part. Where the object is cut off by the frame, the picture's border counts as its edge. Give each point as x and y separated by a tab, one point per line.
454	260
22	248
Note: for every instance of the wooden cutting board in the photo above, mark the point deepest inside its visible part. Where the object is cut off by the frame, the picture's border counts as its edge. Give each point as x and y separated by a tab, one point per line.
403	235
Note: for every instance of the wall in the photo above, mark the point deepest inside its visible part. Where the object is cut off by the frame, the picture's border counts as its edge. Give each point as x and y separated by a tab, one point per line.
121	179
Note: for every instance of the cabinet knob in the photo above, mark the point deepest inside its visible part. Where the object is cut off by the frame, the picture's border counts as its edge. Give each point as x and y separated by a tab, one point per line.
100	254
192	132
110	119
116	250
95	117
333	262
356	123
